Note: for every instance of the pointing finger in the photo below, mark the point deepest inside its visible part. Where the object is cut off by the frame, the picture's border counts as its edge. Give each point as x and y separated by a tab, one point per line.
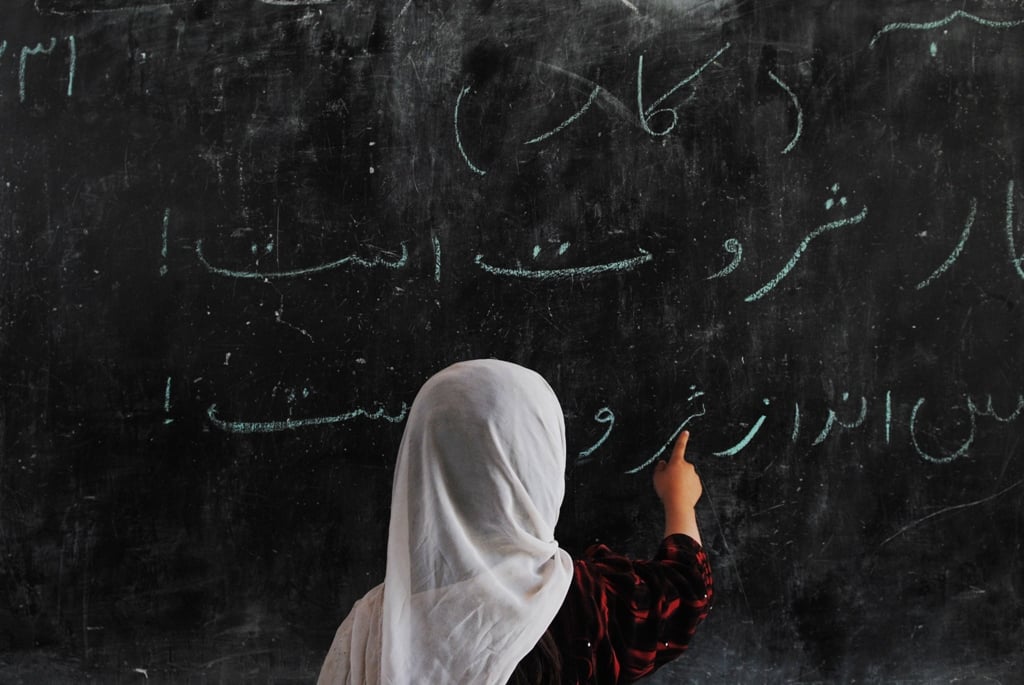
679	449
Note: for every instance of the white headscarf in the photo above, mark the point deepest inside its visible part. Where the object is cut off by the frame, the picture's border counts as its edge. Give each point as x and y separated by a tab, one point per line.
474	574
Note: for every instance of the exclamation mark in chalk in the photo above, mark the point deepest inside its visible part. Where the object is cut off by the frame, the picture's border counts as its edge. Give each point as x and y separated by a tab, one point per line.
167	401
163	249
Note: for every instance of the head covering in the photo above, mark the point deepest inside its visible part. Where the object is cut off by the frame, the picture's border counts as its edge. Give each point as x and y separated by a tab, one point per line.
474	574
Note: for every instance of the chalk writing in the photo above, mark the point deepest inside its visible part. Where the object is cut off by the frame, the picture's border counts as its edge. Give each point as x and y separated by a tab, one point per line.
167	401
831	202
990	412
568	272
458	135
23	63
603	415
671	439
693	396
650	112
394	263
927	26
801	248
163	242
832	420
888	416
292	424
38	49
437	258
1015	261
738	447
72	63
955	254
799	113
267	248
733	247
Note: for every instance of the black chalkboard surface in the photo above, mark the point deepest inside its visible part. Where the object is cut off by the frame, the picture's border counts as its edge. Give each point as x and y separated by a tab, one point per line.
237	235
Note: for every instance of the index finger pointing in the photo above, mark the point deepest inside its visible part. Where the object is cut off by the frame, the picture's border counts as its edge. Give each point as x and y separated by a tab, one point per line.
679	449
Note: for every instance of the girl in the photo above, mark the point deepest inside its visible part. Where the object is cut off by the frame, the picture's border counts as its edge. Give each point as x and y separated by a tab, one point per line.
476	588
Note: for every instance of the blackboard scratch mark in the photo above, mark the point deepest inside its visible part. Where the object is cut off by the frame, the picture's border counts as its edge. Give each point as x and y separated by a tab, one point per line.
603	415
733	247
1015	261
631	6
136	7
670	441
228	657
458	136
955	254
267	275
802	247
946	510
799	113
728	548
279	318
567	122
292	424
771	508
618	105
404	8
649	113
569	272
926	26
739	446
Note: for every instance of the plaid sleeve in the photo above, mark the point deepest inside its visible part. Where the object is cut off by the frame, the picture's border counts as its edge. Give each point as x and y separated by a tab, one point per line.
629	617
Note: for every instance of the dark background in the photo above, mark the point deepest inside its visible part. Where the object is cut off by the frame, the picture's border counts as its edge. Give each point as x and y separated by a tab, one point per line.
174	175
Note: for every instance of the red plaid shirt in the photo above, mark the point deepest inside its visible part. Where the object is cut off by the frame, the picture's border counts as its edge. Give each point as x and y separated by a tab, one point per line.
625	618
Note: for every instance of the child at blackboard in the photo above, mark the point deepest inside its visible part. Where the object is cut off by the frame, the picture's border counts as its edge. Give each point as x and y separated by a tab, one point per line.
476	588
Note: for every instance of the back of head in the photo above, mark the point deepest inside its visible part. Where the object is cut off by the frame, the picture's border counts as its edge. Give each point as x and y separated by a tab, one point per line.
474	574
486	438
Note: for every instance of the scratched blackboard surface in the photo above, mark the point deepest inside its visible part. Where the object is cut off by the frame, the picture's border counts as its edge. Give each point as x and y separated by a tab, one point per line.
237	235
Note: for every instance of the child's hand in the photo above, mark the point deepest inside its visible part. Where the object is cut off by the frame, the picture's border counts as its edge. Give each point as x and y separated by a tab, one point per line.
678	486
675	480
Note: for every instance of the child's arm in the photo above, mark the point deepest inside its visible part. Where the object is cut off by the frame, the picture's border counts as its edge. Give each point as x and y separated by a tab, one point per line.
678	486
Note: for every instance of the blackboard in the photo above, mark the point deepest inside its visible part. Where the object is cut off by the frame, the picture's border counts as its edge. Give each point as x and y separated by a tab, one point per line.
237	235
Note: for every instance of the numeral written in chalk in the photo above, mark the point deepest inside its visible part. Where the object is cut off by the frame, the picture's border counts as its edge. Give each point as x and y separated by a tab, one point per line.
24	56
